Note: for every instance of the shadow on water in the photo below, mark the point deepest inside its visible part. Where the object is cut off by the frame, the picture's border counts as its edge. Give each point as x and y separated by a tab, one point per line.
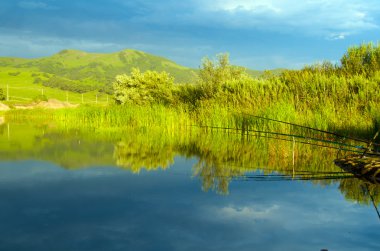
222	156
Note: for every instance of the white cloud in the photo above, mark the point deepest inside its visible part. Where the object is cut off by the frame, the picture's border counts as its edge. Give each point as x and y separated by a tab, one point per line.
243	5
337	36
35	5
313	17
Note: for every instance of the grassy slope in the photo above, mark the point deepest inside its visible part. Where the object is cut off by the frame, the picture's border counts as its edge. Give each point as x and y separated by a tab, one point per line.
22	89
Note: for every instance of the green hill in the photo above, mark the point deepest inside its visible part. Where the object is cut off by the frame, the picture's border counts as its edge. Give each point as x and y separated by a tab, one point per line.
81	72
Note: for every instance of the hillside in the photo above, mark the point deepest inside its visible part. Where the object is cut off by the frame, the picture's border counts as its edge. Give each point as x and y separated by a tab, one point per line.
81	72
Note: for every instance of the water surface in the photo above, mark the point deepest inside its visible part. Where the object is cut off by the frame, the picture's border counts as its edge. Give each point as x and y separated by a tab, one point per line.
124	190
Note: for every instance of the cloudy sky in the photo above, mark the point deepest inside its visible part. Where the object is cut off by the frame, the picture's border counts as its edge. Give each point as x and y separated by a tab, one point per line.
260	34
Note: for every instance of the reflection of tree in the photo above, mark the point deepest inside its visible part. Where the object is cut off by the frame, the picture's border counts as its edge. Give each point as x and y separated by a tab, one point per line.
222	159
143	151
219	162
359	190
214	176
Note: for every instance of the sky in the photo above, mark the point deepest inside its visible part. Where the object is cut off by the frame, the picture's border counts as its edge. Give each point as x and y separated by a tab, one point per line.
258	34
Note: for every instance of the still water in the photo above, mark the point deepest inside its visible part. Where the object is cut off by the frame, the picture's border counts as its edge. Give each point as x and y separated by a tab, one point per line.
74	190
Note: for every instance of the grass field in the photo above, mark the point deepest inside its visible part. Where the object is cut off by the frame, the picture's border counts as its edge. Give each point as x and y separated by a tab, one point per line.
19	85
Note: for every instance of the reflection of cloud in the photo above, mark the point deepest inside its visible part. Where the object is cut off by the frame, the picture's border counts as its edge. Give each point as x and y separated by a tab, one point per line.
25	172
247	213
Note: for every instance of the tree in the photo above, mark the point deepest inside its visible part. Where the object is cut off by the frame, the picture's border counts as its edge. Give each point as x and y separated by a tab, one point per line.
143	88
213	74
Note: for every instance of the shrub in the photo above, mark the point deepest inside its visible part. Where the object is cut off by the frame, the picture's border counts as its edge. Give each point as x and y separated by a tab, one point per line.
14	74
143	88
40	98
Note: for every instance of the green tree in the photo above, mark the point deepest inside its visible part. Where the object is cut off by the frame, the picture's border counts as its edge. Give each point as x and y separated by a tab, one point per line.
213	74
143	88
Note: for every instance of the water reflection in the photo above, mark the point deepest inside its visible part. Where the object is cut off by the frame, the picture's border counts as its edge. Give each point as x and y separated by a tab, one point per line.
221	157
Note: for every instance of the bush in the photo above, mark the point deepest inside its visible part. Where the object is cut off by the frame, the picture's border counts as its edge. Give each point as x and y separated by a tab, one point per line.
40	98
143	88
14	74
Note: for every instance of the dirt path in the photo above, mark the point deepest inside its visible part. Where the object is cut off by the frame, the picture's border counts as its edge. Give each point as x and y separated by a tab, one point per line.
50	104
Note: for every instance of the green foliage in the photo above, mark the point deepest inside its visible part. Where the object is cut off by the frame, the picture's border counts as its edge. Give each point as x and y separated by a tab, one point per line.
69	85
2	95
37	80
40	98
14	74
362	59
143	88
214	74
189	94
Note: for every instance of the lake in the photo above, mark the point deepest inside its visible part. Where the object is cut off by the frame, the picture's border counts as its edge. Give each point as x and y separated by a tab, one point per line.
120	189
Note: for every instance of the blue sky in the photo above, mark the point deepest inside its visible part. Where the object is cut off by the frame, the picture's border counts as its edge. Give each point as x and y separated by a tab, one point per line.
259	34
